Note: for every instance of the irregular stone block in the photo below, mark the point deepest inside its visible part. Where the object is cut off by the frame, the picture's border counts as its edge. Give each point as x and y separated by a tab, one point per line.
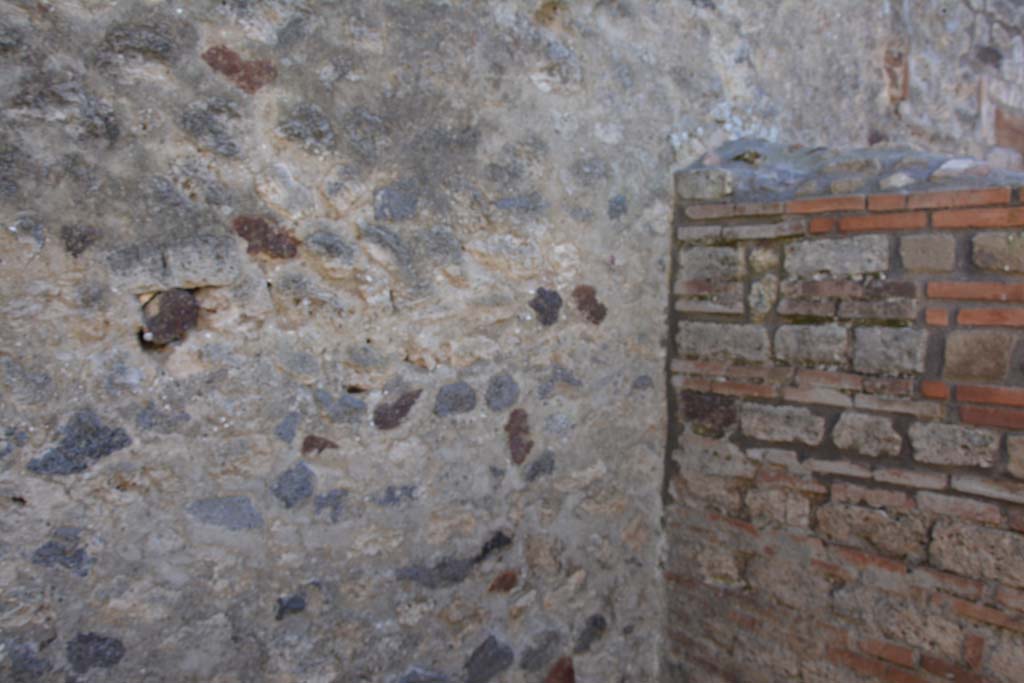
978	552
885	532
867	434
703	184
850	256
946	444
928	253
889	351
980	355
723	341
812	344
781	423
201	261
711	263
999	251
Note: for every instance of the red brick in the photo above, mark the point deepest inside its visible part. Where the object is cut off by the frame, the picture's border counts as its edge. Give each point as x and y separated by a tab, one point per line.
822	225
979	218
888	387
974	650
826	204
862	665
957	199
887	202
830	380
987	615
691	383
993	395
710	211
864	560
992	317
884	221
1010	597
948	671
741	389
893	675
938	317
936	390
950	583
992	417
976	291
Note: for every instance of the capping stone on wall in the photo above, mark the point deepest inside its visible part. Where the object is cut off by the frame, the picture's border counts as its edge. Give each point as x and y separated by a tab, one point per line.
848	410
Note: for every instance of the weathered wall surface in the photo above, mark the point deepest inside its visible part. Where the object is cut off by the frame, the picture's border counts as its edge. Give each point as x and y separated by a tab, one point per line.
846	487
332	332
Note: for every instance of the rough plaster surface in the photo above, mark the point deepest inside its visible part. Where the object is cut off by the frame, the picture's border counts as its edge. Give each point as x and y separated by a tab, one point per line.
332	332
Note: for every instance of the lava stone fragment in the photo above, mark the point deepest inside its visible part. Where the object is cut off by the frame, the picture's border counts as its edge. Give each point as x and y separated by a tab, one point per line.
488	660
390	415
396	202
249	75
308	124
333	502
617	207
287	427
447	572
518	430
709	414
495	543
331	245
502	392
26	666
562	672
395	495
593	630
454	399
156	40
547	303
63	551
169	316
316	443
94	651
593	310
418	675
265	238
235	513
542	466
78	238
291	604
85	439
542	650
294	485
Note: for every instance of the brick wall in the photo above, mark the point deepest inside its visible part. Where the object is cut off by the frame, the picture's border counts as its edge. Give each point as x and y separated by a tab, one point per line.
845	496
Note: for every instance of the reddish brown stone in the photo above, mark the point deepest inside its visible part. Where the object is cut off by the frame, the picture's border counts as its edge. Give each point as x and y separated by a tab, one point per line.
316	443
390	415
249	75
709	414
593	310
562	672
518	430
504	582
265	238
169	316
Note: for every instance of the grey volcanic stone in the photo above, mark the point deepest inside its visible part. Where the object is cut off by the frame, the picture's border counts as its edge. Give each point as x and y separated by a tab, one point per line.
94	651
235	513
85	440
454	399
488	660
502	392
295	485
592	631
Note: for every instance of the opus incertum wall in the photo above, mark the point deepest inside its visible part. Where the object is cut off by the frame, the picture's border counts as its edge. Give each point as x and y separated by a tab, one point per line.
845	486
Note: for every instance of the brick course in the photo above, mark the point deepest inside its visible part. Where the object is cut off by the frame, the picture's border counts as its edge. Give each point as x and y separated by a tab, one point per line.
849	491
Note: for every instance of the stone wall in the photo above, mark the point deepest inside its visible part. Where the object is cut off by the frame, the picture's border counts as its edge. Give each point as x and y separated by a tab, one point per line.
847	481
332	332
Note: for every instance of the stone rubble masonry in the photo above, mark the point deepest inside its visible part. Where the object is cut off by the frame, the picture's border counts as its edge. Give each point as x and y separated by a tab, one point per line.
849	444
